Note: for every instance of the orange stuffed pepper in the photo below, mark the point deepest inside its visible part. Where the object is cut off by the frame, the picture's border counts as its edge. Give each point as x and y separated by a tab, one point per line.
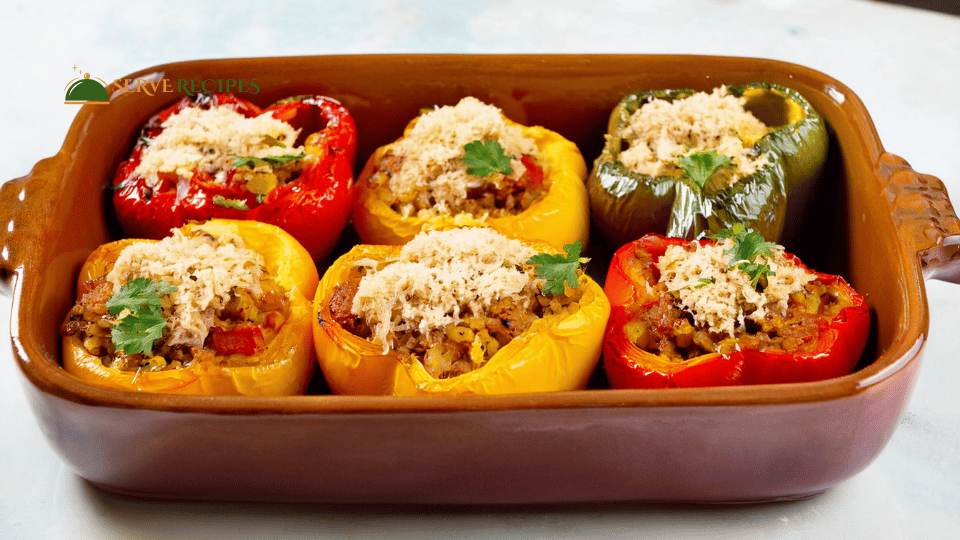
468	165
461	311
219	308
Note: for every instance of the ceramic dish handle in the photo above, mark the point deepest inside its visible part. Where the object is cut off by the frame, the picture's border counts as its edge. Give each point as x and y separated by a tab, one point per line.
24	211
924	215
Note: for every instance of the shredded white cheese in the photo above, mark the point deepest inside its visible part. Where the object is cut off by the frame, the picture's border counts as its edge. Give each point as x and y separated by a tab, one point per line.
206	140
202	267
440	277
729	299
433	152
662	131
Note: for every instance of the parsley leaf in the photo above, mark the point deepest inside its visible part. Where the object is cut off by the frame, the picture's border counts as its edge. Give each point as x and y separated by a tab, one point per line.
270	140
703	282
558	269
486	157
755	271
748	245
735	230
273	161
238	204
134	335
136	293
141	323
701	166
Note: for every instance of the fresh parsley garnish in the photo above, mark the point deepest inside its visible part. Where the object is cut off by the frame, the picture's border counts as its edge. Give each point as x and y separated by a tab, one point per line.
237	204
755	271
145	141
486	157
293	99
748	245
701	166
701	283
558	269
141	323
273	161
270	140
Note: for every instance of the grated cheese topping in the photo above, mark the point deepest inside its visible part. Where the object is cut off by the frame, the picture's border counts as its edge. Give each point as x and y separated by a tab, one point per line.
661	132
204	268
439	278
730	299
207	140
433	153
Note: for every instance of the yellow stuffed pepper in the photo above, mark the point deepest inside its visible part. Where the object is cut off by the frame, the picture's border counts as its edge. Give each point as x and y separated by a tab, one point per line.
458	311
219	308
468	165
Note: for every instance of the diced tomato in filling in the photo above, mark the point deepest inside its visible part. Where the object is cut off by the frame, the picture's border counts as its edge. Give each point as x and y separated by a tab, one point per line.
273	318
534	172
246	339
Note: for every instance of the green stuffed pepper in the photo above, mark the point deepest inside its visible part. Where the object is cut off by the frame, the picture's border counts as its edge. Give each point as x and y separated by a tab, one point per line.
686	163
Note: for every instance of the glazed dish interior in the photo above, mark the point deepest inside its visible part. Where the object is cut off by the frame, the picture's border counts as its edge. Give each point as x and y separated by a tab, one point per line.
845	228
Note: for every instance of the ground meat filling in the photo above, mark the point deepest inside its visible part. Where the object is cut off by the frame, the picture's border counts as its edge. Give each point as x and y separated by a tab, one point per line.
240	330
426	173
661	326
660	132
205	145
466	346
497	195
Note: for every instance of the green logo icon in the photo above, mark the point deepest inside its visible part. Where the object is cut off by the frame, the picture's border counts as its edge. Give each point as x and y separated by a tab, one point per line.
86	90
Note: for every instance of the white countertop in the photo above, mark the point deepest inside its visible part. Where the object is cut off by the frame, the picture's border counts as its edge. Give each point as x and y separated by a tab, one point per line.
903	63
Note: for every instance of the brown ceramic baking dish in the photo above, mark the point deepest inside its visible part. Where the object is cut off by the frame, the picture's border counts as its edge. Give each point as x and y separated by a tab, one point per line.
879	223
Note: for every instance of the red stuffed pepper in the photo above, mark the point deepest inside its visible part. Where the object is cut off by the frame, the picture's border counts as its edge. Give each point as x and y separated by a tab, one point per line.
217	156
732	310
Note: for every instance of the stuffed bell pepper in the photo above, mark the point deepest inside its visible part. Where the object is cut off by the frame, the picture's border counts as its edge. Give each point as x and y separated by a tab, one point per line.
731	310
217	156
688	163
458	311
468	165
221	308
